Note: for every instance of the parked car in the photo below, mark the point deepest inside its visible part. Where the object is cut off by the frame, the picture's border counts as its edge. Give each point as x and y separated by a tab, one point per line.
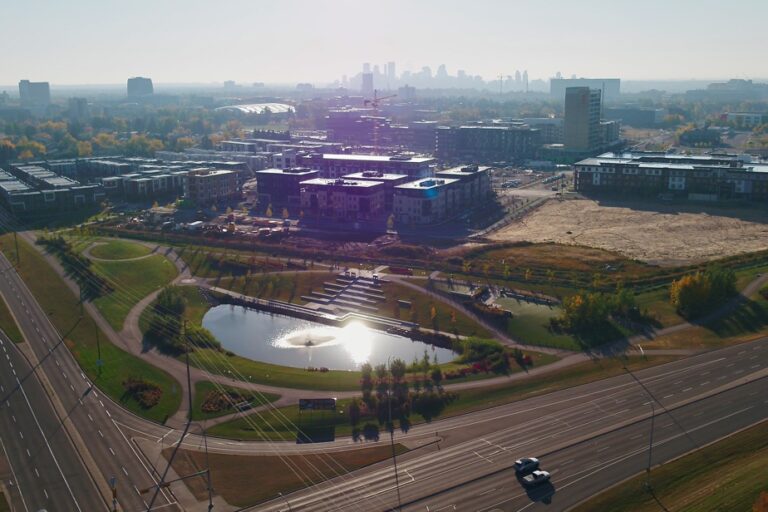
526	465
535	478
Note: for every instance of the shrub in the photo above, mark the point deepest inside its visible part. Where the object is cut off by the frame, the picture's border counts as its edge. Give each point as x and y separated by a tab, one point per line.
145	393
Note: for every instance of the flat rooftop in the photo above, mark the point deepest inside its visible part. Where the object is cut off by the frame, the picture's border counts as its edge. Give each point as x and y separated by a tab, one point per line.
375	176
465	170
378	158
427	183
335	182
296	171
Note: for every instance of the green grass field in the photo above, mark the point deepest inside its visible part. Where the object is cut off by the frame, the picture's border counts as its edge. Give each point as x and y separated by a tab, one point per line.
132	281
119	250
659	307
725	476
530	324
202	388
80	334
282	424
8	324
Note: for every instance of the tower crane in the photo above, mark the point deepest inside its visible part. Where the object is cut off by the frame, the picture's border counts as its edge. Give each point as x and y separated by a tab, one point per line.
375	102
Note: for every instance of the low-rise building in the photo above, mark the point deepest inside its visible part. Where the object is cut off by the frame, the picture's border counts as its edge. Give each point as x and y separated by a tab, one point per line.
282	187
474	183
339	198
700	177
487	143
427	201
389	181
210	186
338	165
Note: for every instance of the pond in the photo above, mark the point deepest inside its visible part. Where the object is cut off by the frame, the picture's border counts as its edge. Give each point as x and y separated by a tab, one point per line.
289	341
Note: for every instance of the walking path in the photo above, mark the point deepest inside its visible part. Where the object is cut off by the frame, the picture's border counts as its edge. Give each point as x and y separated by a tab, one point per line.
130	339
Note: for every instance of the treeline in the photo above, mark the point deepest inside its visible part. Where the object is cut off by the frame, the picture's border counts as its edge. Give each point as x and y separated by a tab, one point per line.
697	294
167	329
588	315
77	266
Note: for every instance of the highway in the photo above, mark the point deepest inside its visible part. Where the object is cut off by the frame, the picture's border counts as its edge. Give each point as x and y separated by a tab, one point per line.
91	417
709	396
477	449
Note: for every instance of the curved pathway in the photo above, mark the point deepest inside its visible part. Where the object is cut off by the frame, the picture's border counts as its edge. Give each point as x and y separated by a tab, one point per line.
87	252
130	339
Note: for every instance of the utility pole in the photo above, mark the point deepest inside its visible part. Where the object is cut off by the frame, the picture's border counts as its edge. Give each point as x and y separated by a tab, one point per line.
391	427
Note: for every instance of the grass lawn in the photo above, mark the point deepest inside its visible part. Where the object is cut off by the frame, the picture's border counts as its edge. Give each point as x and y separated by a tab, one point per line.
659	306
420	311
80	334
132	281
693	482
119	250
4	507
284	286
202	388
530	324
747	322
282	376
268	475
281	424
8	324
222	263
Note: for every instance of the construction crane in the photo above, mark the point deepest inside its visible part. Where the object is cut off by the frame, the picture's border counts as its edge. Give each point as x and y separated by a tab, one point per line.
375	102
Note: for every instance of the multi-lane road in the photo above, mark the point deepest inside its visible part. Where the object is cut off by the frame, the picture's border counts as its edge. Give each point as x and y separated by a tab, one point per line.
80	429
589	436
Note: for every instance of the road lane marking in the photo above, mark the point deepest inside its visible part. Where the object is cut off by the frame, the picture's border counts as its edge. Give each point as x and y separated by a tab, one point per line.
164	435
102	435
13	473
112	451
37	473
482	457
90	417
124	470
486	492
687	389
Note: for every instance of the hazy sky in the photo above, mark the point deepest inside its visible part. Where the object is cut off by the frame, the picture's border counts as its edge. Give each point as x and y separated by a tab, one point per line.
106	41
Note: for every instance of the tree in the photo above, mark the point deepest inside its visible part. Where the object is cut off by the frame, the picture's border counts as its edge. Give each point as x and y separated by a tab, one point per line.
7	150
391	222
84	148
268	213
696	294
285	213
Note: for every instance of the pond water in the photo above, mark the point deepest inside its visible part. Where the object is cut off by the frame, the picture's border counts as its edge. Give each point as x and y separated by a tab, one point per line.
289	341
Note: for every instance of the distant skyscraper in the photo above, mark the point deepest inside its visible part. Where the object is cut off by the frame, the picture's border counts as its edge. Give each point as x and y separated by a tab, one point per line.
391	73
366	67
582	118
367	88
78	109
426	71
140	86
441	72
35	96
525	80
518	78
376	71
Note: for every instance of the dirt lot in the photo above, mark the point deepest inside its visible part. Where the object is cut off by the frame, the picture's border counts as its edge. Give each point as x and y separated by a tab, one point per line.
660	234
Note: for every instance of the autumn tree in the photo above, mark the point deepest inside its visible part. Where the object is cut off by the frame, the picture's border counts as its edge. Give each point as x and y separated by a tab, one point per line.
696	294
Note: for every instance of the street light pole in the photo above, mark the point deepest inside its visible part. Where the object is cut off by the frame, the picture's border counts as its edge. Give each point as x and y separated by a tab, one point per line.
391	427
285	500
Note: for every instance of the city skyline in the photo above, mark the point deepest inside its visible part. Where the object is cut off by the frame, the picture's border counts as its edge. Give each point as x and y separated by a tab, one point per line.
193	46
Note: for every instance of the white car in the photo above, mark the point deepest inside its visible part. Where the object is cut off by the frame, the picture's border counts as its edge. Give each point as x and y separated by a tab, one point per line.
526	464
536	478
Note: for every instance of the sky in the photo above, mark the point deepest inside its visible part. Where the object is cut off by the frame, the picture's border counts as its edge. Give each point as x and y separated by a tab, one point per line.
317	41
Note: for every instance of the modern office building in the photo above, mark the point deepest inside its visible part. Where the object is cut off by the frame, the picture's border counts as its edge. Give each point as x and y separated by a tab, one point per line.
210	186
550	128
35	96
639	117
610	87
582	119
140	86
282	187
700	177
426	201
340	198
338	165
487	143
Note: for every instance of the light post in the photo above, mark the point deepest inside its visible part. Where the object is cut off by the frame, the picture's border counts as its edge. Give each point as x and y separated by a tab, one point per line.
391	427
285	500
650	437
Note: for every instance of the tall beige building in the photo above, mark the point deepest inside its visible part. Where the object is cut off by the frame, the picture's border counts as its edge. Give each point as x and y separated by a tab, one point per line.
582	118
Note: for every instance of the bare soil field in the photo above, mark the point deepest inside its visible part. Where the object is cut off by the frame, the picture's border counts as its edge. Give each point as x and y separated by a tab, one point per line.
659	234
